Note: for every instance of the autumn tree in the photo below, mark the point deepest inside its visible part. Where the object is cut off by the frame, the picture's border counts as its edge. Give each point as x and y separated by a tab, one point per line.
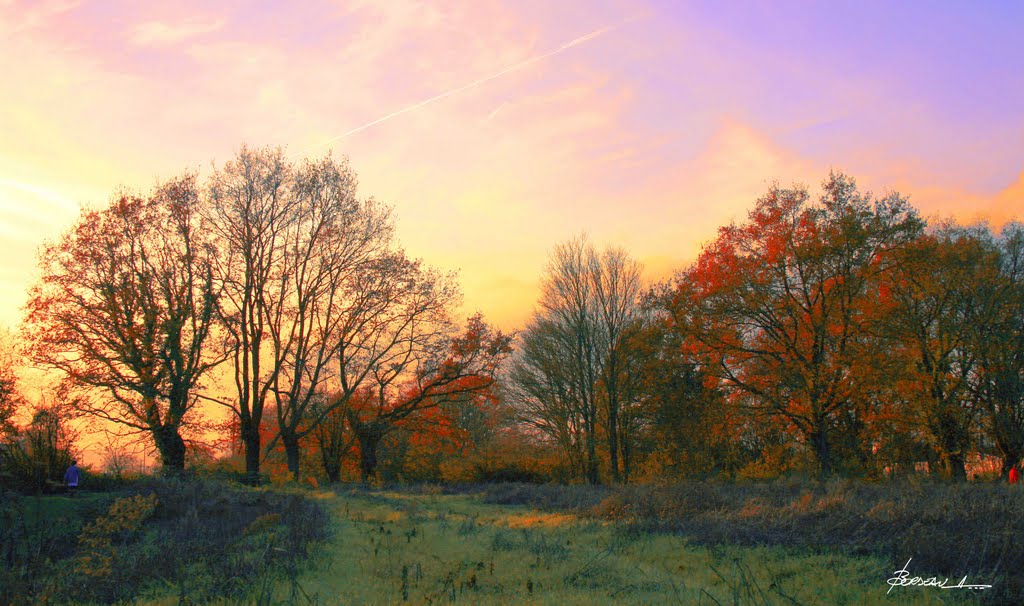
937	291
332	243
125	307
998	339
778	306
414	362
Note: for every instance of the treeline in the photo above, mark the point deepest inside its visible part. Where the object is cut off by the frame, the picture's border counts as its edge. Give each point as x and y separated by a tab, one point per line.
837	335
267	288
841	335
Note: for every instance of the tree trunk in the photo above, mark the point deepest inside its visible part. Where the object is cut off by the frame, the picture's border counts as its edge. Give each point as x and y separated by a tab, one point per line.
251	443
171	447
592	471
332	466
953	441
627	456
613	439
956	466
292	452
368	442
822	451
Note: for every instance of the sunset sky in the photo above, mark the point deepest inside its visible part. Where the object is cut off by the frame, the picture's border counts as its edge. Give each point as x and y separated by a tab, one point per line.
499	129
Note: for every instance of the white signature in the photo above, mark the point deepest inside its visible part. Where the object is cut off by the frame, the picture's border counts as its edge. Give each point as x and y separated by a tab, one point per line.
902	578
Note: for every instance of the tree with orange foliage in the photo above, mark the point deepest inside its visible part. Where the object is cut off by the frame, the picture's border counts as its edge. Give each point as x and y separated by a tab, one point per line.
125	306
779	307
427	365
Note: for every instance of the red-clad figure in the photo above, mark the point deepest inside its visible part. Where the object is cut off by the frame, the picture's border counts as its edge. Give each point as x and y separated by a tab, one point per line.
1014	476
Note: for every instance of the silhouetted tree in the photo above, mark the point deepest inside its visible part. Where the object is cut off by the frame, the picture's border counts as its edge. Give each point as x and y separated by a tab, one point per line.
419	364
999	344
250	210
125	305
333	242
578	353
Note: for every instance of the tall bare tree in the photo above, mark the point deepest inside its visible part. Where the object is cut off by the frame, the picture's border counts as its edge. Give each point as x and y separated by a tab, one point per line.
250	208
334	240
617	290
577	349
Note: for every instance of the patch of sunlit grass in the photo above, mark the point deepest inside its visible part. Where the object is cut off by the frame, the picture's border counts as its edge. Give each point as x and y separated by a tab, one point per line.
535	518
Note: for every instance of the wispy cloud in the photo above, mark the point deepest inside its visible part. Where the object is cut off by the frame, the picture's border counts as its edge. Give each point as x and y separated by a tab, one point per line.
454	91
161	33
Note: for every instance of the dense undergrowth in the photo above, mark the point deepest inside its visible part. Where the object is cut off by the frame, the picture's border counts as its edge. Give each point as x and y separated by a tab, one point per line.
948	530
197	541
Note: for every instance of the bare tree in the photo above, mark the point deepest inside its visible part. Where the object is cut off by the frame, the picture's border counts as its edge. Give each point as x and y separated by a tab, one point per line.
333	240
250	209
125	305
617	290
541	387
576	351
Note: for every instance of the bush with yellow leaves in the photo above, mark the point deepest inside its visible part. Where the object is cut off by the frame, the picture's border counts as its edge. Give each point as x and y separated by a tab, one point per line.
96	543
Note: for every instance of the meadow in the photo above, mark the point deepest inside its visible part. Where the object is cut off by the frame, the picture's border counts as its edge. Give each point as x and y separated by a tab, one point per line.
428	547
208	542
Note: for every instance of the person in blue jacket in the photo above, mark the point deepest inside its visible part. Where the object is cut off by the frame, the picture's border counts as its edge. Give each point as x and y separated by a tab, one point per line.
71	477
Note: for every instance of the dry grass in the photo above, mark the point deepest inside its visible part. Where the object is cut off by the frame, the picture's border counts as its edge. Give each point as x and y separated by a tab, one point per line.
427	547
949	530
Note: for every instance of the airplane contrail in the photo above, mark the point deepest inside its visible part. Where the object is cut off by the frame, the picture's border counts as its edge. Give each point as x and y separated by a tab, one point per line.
478	82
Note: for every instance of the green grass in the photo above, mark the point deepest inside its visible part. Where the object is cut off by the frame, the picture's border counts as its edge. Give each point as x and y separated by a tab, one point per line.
392	548
404	546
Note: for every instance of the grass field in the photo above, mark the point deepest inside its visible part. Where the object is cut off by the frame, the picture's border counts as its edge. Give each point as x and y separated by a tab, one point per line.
697	543
398	547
